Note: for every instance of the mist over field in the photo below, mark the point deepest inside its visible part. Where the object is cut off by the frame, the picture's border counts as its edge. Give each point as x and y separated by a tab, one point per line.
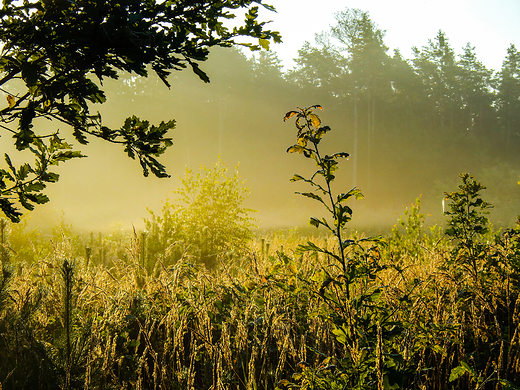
410	125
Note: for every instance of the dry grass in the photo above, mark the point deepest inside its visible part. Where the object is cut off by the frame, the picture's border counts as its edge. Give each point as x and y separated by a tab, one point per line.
250	323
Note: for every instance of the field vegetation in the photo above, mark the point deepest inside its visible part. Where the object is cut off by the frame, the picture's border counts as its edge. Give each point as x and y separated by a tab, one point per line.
200	300
423	307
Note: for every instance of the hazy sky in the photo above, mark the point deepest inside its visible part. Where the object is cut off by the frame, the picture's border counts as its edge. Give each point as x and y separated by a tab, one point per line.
490	26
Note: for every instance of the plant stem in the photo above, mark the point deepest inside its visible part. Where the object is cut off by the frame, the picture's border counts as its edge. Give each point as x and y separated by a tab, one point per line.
335	216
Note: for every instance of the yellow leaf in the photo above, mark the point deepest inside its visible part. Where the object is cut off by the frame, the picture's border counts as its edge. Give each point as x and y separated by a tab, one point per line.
11	101
302	141
264	43
314	120
290	114
295	149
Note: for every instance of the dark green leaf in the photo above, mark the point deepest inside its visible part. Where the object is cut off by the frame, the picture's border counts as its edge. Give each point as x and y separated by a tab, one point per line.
202	75
34	187
37	198
9	163
9	210
50	177
316	223
23	172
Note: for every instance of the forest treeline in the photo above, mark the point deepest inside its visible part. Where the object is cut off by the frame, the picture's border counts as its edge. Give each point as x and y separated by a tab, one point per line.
410	125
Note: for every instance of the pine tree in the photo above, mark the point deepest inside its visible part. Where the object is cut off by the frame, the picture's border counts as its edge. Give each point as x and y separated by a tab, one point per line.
318	68
437	67
408	98
475	82
266	65
509	98
368	65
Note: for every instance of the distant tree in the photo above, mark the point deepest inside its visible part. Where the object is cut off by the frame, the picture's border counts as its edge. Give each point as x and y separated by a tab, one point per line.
269	85
56	54
408	97
509	98
368	73
266	65
437	67
363	41
475	82
318	69
367	55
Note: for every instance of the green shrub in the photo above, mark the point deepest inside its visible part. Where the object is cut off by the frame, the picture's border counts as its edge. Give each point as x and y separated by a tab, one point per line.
206	220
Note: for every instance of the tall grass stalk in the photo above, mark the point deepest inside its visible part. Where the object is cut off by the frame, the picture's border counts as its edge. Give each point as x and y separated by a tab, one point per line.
67	275
4	244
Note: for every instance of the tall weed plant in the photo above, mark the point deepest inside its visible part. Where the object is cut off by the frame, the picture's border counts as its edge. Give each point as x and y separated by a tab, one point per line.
362	322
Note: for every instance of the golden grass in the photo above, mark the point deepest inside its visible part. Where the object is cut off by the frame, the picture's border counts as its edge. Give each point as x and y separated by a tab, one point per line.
249	323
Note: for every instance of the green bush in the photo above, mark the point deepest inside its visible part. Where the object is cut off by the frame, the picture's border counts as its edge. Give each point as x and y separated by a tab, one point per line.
206	219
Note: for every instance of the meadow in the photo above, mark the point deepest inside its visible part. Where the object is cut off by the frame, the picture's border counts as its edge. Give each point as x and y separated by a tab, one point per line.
424	307
269	318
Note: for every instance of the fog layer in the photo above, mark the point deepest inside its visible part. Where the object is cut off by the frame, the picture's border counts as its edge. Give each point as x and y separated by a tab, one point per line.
410	125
